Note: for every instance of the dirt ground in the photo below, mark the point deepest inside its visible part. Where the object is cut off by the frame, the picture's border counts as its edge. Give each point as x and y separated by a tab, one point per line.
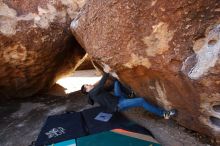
21	120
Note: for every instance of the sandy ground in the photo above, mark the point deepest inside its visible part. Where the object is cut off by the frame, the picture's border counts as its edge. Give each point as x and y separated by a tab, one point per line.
21	120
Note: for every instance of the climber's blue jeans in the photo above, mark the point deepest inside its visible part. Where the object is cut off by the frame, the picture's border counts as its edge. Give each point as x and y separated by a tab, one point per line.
125	102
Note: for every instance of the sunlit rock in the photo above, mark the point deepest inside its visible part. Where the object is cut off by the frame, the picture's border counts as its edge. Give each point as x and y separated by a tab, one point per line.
36	45
167	51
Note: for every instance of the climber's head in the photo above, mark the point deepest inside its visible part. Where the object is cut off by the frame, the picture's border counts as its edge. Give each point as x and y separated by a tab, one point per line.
86	88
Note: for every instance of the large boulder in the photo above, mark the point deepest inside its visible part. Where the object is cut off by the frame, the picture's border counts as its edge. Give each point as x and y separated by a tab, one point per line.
36	44
167	51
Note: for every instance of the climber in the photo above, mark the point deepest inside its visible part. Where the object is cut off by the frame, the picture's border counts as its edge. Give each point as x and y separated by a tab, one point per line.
119	100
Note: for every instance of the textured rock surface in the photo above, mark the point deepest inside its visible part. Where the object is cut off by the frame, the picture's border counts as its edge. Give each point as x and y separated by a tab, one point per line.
36	45
167	51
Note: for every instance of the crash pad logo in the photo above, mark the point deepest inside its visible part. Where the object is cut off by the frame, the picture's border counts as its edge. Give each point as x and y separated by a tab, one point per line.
104	117
55	132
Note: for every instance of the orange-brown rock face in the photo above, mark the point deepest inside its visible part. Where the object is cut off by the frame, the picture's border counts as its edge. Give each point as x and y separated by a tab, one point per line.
167	51
36	45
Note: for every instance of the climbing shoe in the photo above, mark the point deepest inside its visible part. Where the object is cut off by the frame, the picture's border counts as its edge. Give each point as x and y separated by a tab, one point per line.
131	94
169	114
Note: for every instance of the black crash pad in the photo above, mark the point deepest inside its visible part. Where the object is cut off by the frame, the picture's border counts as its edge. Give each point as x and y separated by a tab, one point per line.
73	125
96	126
117	120
61	127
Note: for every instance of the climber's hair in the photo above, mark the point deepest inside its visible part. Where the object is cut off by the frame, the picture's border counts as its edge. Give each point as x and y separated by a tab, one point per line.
83	90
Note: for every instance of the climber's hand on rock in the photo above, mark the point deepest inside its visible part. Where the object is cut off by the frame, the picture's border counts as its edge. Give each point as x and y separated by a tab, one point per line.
106	68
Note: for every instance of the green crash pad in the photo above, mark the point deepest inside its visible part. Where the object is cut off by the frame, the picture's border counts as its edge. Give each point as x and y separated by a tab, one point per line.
110	138
71	142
